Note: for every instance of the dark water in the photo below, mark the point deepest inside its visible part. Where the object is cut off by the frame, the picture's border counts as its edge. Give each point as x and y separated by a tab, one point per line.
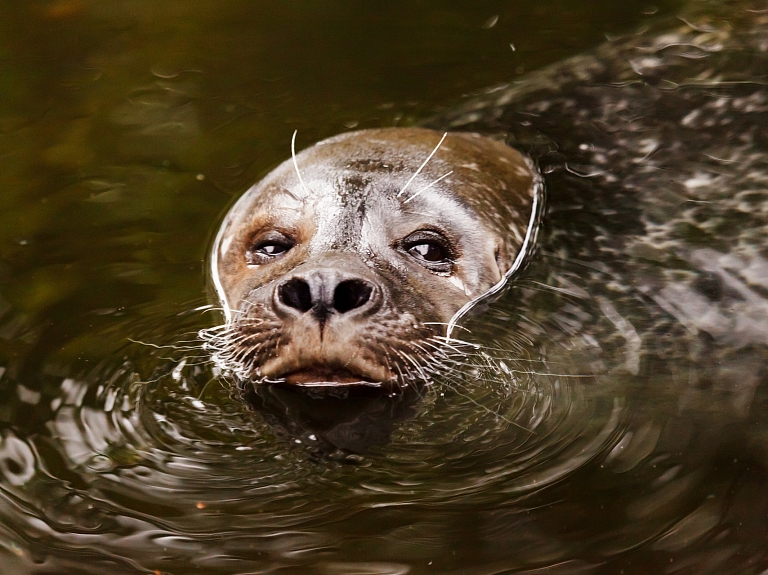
591	433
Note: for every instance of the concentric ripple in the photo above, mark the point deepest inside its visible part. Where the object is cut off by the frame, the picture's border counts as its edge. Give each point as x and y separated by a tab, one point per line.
156	462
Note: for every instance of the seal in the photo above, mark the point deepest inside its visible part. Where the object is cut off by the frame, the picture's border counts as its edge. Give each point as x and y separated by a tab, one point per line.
347	264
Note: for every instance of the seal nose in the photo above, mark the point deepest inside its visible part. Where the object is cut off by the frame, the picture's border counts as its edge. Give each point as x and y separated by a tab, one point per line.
351	294
324	294
295	293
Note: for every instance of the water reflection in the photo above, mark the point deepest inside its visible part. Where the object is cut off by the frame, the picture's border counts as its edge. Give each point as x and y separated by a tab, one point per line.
146	465
337	423
17	461
611	418
153	463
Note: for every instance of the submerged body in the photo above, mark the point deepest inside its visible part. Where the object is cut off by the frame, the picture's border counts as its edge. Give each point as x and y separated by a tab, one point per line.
655	158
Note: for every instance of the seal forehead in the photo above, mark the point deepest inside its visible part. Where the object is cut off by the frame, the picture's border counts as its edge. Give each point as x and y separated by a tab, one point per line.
479	174
399	152
483	174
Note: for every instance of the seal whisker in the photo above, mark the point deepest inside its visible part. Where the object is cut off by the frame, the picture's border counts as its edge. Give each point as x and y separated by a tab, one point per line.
156	346
411	383
493	363
416	364
400	371
540	286
425	188
451	341
296	166
442	341
421	167
445	323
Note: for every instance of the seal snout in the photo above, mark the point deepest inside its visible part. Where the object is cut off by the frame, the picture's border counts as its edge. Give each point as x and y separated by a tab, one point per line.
323	310
324	293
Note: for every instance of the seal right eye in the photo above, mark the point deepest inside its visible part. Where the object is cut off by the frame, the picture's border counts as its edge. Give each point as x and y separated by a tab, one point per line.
431	249
268	247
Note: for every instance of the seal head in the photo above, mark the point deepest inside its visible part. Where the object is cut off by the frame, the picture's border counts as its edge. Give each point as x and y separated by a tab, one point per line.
345	264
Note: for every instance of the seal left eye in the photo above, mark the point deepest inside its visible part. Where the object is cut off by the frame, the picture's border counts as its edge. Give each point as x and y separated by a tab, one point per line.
268	247
271	249
430	249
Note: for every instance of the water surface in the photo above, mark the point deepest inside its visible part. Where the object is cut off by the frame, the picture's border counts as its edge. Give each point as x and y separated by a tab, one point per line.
567	446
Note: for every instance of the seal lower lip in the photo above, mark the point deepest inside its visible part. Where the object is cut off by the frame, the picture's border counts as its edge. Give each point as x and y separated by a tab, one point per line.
322	376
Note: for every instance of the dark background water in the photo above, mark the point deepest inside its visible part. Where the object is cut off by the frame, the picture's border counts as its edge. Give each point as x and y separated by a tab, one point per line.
111	112
126	129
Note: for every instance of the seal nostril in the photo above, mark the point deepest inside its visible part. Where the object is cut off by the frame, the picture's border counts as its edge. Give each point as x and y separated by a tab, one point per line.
351	294
295	293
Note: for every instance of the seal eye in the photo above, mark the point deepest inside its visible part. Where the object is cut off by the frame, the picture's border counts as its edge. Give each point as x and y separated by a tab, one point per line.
271	249
431	249
267	247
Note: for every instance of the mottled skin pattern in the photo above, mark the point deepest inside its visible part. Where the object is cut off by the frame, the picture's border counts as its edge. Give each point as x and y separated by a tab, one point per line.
653	149
350	220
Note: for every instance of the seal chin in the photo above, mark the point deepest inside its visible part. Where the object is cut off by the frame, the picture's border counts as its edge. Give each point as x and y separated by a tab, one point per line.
321	376
326	372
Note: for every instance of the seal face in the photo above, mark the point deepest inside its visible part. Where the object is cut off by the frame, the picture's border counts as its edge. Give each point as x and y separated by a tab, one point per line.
345	264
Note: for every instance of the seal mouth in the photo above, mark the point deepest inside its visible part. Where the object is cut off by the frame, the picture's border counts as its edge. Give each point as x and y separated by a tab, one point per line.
325	370
324	376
